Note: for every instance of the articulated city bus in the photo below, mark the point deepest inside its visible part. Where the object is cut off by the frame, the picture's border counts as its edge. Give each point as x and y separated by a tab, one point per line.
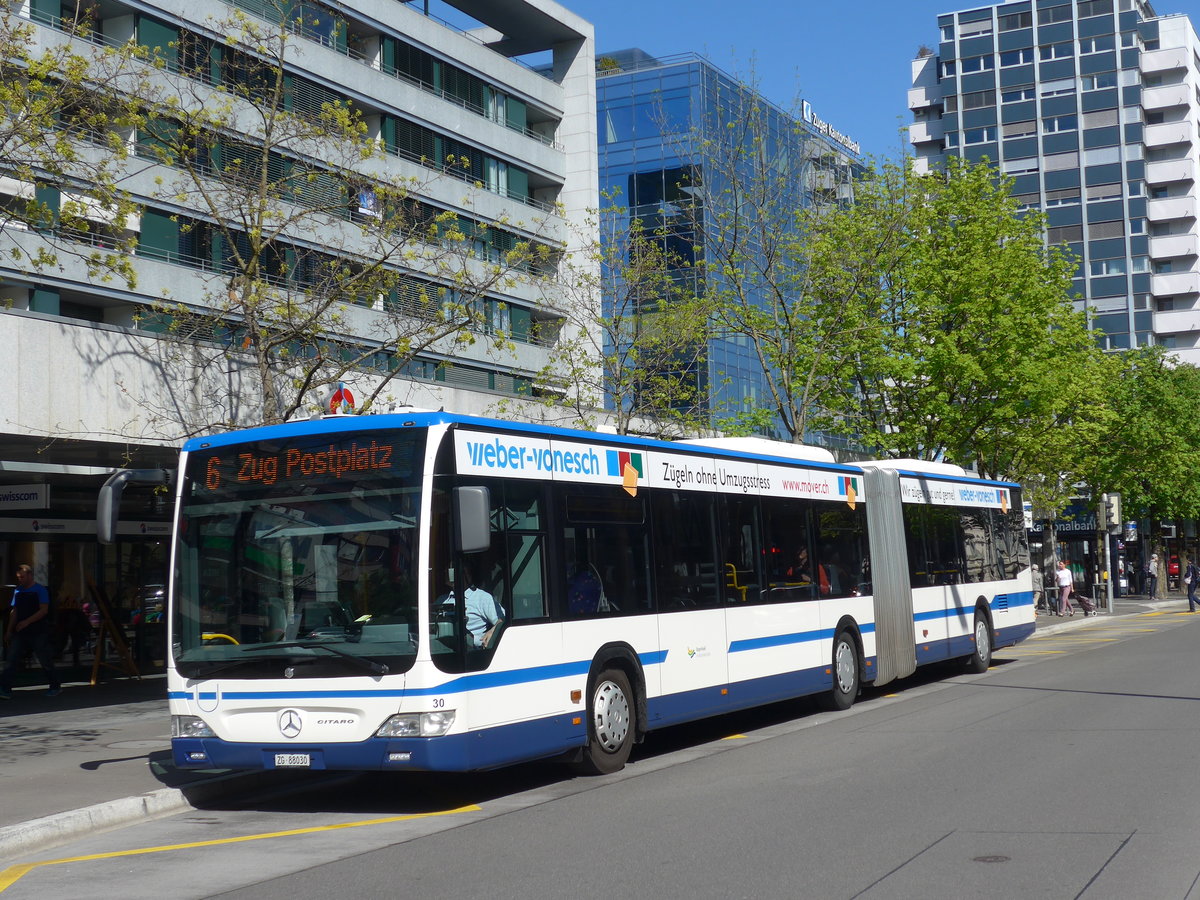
428	591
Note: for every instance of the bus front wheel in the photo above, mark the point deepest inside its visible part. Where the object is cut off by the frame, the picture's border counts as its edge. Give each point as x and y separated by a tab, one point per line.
610	724
981	657
846	673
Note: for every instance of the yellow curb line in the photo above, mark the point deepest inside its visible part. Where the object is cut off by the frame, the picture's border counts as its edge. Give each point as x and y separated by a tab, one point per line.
11	875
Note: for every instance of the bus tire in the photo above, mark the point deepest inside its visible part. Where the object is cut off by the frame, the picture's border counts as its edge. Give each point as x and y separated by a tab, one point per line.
610	724
979	660
847	674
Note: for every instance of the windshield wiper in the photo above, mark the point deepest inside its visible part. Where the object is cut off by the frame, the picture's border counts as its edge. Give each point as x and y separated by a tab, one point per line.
369	664
216	667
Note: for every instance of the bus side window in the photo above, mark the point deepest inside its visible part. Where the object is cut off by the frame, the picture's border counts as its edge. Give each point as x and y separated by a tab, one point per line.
685	574
604	543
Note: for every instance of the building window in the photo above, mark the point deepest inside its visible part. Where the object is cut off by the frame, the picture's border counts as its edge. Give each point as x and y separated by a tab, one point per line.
1104	192
1056	51
947	68
951	139
1163	266
1098	231
1101	156
1016	57
1099	82
978	99
974	29
1014	21
1065	197
1059	86
1096	44
1018	129
1108	266
947	32
1102	119
1054	14
1016	95
1025	201
1137	188
1056	162
1020	166
1141	264
1088	8
1055	124
979	135
976	64
1065	234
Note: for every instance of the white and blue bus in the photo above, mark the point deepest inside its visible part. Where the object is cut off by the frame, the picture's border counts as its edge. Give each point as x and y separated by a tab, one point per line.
428	591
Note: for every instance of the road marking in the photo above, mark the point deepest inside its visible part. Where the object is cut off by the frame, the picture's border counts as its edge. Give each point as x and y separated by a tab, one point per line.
734	737
13	874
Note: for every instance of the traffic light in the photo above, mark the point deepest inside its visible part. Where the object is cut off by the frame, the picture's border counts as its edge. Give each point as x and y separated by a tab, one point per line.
1112	510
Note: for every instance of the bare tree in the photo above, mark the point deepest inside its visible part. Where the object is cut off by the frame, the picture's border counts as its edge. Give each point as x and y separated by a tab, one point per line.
323	260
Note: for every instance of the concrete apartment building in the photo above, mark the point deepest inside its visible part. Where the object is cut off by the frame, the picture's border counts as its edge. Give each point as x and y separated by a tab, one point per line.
84	376
1092	107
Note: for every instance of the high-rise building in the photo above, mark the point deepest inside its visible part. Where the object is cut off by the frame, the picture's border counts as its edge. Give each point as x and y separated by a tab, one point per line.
664	123
1091	107
489	110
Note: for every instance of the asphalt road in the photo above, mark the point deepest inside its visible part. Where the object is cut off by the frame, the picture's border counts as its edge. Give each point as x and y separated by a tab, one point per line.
1070	769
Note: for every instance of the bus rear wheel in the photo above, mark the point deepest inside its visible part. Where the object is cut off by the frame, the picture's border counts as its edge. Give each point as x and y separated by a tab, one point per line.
846	673
610	725
981	657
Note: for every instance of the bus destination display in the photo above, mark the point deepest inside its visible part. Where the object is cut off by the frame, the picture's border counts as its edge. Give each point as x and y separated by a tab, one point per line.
261	466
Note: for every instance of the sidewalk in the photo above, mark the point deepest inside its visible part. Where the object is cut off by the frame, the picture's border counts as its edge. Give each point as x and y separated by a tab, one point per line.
94	758
100	757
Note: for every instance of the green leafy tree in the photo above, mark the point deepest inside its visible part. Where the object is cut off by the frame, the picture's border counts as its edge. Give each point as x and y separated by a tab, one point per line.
1150	450
983	356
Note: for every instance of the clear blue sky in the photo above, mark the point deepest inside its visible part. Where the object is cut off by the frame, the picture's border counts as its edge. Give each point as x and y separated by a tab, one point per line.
800	49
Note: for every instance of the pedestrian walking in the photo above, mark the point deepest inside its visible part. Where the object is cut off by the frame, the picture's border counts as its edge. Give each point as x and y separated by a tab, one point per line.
1152	576
1065	579
29	632
1191	576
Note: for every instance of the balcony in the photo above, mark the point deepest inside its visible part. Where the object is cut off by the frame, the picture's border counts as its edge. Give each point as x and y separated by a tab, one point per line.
1164	60
1169	133
1169	246
1165	96
1177	320
1172	284
925	131
924	89
1171	208
1168	171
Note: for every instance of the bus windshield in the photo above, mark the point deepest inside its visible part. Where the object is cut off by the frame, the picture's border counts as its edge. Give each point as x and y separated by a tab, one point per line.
296	557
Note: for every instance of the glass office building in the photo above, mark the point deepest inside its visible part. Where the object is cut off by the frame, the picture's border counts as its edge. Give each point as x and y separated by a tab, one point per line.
1090	106
656	119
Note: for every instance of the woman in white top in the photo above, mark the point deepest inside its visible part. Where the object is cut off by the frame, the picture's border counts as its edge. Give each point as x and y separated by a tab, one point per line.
1066	580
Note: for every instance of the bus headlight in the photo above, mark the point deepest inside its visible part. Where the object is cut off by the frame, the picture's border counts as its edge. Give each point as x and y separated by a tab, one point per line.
430	724
189	727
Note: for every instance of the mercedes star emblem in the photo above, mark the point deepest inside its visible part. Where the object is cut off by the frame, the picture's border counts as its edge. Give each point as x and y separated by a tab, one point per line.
290	723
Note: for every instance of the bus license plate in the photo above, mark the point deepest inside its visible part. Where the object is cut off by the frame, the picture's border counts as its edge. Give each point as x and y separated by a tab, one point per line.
292	760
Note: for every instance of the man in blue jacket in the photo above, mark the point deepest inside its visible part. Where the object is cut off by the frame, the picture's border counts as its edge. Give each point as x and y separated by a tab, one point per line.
28	632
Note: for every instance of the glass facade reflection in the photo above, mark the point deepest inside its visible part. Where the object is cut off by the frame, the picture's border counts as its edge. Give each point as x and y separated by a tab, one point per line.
658	122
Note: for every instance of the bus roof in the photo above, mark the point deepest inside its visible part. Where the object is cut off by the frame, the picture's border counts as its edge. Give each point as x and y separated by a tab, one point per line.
738	448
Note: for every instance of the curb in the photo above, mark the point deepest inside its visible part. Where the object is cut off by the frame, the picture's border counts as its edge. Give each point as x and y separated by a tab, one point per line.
36	835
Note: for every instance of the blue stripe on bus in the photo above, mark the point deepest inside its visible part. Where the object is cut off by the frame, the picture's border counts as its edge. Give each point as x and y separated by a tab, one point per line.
472	682
1000	602
783	640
